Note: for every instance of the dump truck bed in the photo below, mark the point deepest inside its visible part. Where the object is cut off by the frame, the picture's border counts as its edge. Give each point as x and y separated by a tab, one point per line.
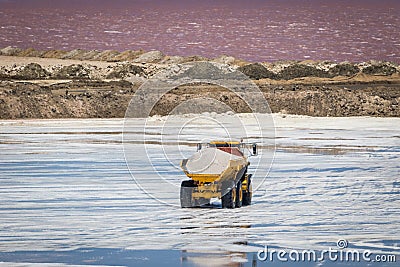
212	164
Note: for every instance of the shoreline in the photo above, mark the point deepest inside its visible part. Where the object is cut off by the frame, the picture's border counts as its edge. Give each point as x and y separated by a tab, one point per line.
163	117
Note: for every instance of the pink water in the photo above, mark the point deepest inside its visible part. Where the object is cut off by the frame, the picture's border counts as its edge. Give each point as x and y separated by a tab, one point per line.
252	30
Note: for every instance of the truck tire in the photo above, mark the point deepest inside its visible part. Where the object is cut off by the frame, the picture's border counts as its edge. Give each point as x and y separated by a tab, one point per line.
186	194
229	199
247	195
239	195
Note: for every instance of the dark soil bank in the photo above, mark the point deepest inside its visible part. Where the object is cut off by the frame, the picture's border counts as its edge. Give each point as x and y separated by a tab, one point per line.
98	99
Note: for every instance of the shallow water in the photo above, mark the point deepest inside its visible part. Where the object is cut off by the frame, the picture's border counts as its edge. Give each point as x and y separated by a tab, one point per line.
67	196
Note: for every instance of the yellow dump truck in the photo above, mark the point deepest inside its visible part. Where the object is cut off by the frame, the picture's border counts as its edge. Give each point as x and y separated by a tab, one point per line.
217	170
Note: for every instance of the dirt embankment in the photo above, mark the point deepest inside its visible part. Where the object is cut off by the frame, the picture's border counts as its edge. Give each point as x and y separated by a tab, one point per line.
100	99
83	84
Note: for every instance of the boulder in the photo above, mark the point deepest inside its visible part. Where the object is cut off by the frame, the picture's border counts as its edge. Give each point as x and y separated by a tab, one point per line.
150	57
300	70
124	71
257	71
75	71
32	71
345	69
10	51
380	69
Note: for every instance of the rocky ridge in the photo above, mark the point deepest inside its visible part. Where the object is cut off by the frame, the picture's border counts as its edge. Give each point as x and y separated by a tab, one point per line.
95	84
145	64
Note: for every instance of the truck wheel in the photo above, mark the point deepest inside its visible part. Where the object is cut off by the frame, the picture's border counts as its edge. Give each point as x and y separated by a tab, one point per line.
248	194
239	195
186	194
229	199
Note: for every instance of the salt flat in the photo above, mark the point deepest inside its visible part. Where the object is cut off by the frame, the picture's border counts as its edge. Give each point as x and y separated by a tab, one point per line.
65	185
